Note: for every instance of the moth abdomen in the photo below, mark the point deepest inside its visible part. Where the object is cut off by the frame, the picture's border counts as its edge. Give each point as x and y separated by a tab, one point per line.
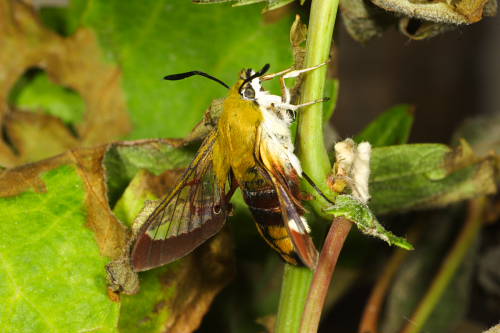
264	205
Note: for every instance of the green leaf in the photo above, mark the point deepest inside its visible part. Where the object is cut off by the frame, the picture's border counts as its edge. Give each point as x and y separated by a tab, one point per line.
354	210
132	201
52	276
43	94
421	176
151	39
138	311
122	162
390	128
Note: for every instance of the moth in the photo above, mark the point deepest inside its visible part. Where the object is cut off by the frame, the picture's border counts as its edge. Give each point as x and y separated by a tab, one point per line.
250	148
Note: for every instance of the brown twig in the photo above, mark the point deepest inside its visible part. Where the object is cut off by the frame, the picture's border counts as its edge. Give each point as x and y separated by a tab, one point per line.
321	281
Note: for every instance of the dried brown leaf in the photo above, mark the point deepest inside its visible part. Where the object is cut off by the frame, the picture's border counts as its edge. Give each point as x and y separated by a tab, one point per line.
202	276
363	20
27	130
419	30
75	62
452	12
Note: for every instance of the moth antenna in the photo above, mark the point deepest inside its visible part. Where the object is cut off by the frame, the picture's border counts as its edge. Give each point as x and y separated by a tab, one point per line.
181	76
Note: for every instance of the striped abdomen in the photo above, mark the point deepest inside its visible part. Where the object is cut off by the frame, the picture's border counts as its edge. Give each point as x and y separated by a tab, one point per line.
262	199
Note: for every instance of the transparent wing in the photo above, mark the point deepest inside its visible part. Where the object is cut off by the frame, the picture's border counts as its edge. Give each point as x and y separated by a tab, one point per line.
192	213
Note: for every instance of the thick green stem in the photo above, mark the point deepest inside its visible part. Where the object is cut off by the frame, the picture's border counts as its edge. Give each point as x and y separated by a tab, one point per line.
312	152
296	281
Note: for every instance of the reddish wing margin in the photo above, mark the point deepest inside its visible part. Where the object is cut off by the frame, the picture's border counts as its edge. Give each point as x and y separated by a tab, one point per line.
292	219
192	213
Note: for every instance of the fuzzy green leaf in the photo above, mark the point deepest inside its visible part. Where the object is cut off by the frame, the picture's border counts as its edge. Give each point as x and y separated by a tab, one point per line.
354	210
420	176
390	128
52	276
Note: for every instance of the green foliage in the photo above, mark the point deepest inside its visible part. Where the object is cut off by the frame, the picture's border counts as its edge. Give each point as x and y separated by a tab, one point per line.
391	128
426	175
41	94
51	272
354	210
151	39
52	276
123	162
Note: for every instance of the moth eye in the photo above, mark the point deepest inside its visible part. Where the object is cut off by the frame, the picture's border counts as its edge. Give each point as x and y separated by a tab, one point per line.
249	93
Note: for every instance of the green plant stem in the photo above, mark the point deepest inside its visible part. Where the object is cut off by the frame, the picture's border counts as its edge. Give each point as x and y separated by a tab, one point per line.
449	267
312	153
296	281
322	277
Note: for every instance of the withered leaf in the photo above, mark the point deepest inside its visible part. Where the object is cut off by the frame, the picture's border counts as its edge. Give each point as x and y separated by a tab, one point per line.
455	12
363	20
75	62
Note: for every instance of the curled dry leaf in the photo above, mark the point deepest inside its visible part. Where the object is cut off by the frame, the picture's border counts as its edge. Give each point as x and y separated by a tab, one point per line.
365	19
75	62
455	12
418	30
202	275
27	130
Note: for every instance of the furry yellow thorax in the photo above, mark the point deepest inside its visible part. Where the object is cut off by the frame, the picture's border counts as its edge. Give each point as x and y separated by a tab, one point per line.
236	136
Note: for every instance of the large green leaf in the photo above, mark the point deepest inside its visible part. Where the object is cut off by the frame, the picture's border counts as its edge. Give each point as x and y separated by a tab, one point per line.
420	176
52	276
149	39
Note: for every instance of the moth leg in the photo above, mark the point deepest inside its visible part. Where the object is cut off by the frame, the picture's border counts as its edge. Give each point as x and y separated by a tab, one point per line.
273	75
291	107
297	72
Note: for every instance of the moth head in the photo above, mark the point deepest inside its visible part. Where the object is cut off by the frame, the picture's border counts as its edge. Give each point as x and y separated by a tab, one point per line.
250	82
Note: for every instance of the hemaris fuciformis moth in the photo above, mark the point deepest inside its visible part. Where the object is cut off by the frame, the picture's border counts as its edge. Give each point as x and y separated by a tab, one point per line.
250	147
